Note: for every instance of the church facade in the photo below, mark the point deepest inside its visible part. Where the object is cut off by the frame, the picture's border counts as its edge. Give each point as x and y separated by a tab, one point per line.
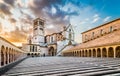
51	45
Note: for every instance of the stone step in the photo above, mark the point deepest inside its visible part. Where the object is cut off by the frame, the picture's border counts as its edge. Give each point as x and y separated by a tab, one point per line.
53	66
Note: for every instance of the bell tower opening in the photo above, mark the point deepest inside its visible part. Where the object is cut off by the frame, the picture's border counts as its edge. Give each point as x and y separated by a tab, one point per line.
38	31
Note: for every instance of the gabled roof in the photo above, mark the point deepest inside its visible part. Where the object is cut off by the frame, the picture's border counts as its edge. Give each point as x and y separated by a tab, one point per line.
68	27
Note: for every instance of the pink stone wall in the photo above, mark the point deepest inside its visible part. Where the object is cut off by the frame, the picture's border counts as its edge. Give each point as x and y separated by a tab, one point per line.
113	37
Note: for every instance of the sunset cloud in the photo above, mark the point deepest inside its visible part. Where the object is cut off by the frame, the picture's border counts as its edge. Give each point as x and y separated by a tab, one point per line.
16	16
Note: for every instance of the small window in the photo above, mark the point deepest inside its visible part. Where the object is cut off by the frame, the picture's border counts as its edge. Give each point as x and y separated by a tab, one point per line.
70	30
41	29
111	28
93	34
85	37
35	29
101	31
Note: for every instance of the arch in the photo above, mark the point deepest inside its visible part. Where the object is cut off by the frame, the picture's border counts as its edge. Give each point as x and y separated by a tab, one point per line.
72	53
117	49
12	55
85	53
32	54
82	53
9	55
90	53
28	54
98	52
6	61
110	52
35	54
15	55
77	53
104	52
94	53
51	51
2	55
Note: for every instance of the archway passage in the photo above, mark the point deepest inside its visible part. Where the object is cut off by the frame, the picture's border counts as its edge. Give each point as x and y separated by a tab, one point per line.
9	56
118	51
52	51
82	53
28	54
85	53
94	53
2	55
6	61
98	52
104	52
90	53
110	52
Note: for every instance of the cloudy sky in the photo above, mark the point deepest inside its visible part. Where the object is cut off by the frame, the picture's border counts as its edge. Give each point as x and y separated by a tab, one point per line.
16	16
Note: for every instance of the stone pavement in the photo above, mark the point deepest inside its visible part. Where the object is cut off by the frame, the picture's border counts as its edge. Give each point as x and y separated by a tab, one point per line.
64	66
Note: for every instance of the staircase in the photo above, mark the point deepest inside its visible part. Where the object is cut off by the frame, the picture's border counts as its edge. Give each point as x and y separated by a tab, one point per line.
60	50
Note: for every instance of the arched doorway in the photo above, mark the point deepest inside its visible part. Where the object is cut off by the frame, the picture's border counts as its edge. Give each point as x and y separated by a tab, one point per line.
104	52
51	51
9	55
90	53
94	53
77	53
98	52
85	53
117	51
6	61
110	52
2	55
82	53
28	54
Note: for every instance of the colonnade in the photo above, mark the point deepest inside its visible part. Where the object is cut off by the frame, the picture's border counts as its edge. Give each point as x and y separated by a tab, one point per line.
105	51
9	55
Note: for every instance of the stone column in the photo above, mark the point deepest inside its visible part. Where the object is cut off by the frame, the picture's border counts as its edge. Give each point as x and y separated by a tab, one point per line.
4	57
96	52
107	52
101	52
114	52
91	52
88	53
0	56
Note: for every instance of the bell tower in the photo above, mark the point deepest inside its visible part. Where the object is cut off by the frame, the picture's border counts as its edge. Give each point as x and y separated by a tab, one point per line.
38	31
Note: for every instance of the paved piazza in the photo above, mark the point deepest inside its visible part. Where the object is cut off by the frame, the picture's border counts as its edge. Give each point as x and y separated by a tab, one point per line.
64	66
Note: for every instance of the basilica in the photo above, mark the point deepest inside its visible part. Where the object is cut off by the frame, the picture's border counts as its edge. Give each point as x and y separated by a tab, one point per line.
48	45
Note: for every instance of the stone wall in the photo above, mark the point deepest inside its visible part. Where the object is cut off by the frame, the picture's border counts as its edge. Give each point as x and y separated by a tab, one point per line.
105	28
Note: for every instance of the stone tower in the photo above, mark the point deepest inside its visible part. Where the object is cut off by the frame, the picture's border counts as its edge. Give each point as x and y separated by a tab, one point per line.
38	31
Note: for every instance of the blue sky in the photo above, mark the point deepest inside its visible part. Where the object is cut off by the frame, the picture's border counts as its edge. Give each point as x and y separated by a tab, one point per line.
16	16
